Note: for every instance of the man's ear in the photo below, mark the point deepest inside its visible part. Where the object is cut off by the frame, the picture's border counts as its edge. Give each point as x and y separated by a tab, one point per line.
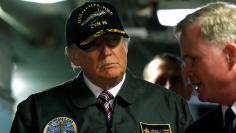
230	53
72	55
126	48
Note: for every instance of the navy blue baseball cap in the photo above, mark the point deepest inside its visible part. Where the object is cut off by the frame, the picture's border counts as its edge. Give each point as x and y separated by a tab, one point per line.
90	21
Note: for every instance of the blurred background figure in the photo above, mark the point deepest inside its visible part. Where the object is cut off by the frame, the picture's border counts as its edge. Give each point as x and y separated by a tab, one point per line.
166	70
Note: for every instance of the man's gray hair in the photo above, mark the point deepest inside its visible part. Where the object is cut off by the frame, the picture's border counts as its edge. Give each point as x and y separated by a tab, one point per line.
217	21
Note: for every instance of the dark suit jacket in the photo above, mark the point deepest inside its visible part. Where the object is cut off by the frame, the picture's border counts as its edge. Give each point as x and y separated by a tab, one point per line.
212	122
71	107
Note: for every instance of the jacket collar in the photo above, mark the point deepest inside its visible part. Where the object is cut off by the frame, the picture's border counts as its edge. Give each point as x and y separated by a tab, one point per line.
79	94
129	89
82	97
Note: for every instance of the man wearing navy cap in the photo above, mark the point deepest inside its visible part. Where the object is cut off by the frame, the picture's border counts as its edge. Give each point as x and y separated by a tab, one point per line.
104	97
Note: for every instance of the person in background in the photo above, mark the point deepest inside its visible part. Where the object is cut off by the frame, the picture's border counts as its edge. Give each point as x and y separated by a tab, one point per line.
104	97
167	70
208	45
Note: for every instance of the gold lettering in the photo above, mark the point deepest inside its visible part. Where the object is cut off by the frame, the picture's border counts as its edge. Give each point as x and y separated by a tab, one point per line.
89	6
98	24
95	24
80	18
104	22
107	10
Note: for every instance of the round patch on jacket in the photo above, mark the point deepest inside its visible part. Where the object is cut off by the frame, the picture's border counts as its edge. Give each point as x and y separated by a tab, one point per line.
60	125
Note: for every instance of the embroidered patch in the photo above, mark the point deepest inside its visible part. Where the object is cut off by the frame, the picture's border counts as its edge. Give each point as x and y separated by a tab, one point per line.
60	125
155	128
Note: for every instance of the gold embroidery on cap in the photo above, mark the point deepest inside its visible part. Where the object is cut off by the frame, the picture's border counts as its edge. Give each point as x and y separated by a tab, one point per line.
116	31
99	23
99	33
103	8
92	37
107	10
85	9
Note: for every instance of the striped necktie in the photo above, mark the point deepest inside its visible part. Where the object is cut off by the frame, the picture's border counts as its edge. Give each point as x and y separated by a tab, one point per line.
104	99
229	117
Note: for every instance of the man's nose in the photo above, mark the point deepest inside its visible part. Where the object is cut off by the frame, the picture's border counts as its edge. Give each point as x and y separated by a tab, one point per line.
106	50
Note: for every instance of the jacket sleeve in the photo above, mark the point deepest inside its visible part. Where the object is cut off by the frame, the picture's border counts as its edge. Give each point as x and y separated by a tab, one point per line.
186	118
22	122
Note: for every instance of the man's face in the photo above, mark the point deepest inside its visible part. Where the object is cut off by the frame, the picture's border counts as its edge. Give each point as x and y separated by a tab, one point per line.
205	64
106	59
170	76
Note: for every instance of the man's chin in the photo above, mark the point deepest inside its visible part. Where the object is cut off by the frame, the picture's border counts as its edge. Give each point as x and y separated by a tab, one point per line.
202	97
112	75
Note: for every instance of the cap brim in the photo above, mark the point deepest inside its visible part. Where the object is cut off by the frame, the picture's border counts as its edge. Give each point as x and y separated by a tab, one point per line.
87	43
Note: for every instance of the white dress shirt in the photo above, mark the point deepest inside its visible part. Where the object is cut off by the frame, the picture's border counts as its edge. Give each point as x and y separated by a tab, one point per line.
96	90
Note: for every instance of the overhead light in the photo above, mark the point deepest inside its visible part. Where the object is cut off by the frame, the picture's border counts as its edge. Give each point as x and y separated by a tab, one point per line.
170	17
44	1
169	13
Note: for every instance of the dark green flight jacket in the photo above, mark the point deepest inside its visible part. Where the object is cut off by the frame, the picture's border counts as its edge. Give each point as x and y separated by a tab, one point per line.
139	107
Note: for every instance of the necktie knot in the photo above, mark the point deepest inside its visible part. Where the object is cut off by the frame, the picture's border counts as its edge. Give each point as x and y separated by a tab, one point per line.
105	96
